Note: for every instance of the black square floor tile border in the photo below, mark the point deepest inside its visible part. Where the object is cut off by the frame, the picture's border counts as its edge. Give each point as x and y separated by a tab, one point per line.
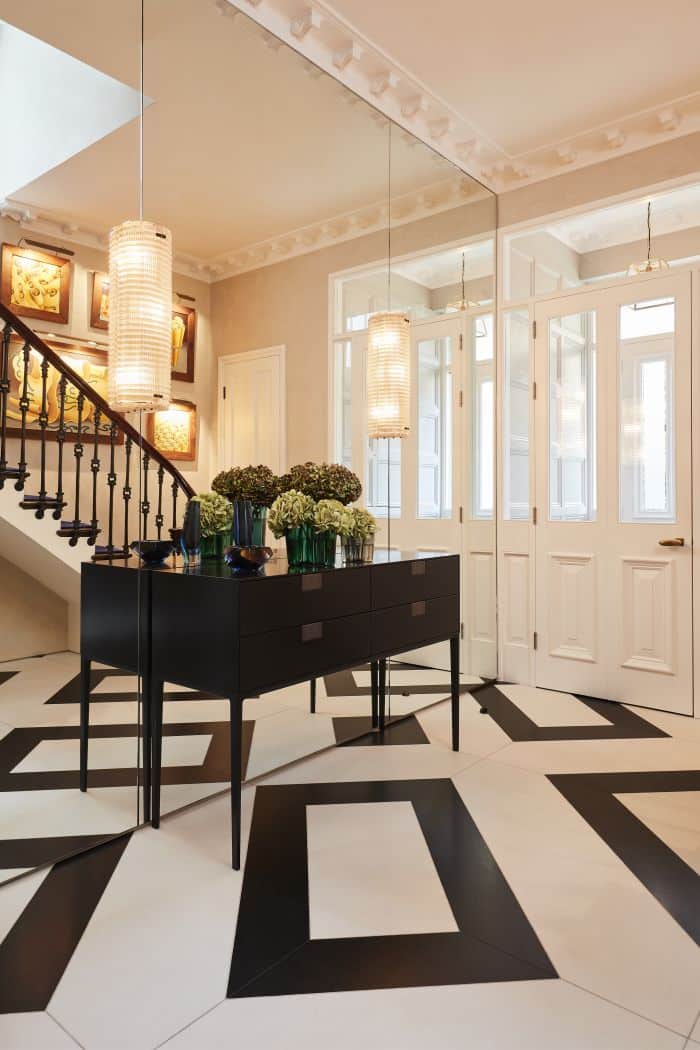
674	884
273	953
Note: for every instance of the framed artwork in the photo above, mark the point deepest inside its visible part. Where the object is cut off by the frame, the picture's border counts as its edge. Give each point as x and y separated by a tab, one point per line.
99	302
89	363
184	318
35	284
173	430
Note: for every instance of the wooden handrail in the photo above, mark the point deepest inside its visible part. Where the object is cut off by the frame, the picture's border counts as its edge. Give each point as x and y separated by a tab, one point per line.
32	339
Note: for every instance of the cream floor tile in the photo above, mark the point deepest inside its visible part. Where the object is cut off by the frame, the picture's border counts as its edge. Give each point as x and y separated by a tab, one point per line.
158	948
674	816
528	1015
34	1031
175	796
695	1034
478	734
603	756
35	814
407	762
682	726
112	753
549	708
371	873
602	929
286	737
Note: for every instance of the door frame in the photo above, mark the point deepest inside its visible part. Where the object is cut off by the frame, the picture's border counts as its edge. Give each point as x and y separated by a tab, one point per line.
280	352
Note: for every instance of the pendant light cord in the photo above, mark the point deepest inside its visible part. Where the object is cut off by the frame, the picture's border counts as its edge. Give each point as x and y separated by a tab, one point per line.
388	440
649	231
141	82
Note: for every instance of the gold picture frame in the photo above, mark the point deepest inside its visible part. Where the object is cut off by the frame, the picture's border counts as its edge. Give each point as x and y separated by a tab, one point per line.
99	301
173	430
35	284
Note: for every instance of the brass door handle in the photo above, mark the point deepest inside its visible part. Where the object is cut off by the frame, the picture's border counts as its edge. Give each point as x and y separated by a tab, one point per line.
677	541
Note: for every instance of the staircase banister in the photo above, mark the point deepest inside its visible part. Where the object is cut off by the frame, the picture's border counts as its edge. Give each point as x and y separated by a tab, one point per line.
54	358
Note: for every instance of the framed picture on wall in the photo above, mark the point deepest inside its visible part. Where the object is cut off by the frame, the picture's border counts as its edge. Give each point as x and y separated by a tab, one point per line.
173	430
89	363
99	301
35	284
183	333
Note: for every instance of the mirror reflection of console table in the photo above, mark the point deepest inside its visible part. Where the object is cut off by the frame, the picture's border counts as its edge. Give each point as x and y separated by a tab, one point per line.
240	635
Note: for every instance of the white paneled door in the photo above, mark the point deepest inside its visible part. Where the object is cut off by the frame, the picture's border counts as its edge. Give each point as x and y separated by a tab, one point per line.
252	403
613	493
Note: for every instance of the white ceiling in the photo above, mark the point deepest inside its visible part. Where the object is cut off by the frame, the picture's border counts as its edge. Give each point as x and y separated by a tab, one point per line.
243	142
445	268
532	74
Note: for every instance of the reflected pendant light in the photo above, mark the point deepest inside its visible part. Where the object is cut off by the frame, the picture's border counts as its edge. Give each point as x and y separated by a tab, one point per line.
463	303
650	265
140	308
388	359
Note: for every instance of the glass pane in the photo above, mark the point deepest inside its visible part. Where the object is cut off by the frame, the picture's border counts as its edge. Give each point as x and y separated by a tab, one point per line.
343	393
434	394
654	317
646	413
384	476
482	417
483	338
572	483
516	409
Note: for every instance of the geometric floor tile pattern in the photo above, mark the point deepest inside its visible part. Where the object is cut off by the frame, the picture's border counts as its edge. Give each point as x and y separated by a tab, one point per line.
574	907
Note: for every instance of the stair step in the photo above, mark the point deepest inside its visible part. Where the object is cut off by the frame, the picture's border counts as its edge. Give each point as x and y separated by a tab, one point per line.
111	553
39	505
75	530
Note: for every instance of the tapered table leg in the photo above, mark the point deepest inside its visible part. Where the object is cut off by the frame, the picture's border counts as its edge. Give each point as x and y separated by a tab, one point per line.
454	683
85	665
382	694
312	687
156	706
236	750
374	676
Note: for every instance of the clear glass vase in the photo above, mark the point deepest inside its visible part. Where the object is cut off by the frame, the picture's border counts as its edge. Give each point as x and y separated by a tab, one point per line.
352	550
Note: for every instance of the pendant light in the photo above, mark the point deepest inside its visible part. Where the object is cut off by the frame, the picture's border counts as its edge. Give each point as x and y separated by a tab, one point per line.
388	360
649	265
463	303
140	292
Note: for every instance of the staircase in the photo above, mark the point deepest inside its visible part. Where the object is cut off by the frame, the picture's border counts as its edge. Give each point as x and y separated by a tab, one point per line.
87	464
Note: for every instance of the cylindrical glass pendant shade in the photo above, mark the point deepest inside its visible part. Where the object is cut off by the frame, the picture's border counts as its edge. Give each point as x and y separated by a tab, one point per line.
388	375
140	316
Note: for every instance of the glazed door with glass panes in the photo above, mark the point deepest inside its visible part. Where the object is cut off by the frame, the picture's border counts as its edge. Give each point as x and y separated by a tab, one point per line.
613	535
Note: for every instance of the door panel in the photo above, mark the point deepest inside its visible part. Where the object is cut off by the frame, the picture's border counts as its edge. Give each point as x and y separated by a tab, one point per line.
613	487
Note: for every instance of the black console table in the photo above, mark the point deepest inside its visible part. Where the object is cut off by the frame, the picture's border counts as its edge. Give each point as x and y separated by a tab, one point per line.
239	635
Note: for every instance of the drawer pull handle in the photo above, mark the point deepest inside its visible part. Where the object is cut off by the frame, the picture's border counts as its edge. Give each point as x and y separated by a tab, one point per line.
312	582
417	568
418	609
311	632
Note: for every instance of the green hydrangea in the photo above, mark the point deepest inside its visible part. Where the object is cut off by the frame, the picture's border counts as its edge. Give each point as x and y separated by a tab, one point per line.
323	481
364	524
331	516
289	511
257	484
215	514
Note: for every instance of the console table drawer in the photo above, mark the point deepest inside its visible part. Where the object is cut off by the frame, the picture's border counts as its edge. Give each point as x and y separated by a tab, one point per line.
398	583
286	601
419	623
305	650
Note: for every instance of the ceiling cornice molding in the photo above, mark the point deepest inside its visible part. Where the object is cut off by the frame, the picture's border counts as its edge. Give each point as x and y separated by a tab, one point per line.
326	39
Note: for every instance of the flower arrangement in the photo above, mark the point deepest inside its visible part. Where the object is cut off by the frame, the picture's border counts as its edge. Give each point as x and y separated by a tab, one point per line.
364	524
215	513
331	516
323	481
257	484
290	510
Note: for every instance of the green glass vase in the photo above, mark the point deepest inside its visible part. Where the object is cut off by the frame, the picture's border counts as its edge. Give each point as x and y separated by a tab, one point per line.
299	543
213	546
259	525
324	544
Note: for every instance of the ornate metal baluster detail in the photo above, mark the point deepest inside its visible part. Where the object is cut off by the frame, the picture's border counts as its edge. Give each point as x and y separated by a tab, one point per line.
145	505
61	439
126	493
4	390
43	423
23	407
160	519
111	482
78	453
175	488
95	468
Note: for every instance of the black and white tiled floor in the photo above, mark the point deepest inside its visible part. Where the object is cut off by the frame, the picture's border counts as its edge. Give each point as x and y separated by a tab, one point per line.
538	890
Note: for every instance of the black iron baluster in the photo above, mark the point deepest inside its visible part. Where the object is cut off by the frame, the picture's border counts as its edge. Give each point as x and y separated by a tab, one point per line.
60	438
95	468
126	493
43	423
160	520
78	453
175	488
111	481
4	390
145	505
23	407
